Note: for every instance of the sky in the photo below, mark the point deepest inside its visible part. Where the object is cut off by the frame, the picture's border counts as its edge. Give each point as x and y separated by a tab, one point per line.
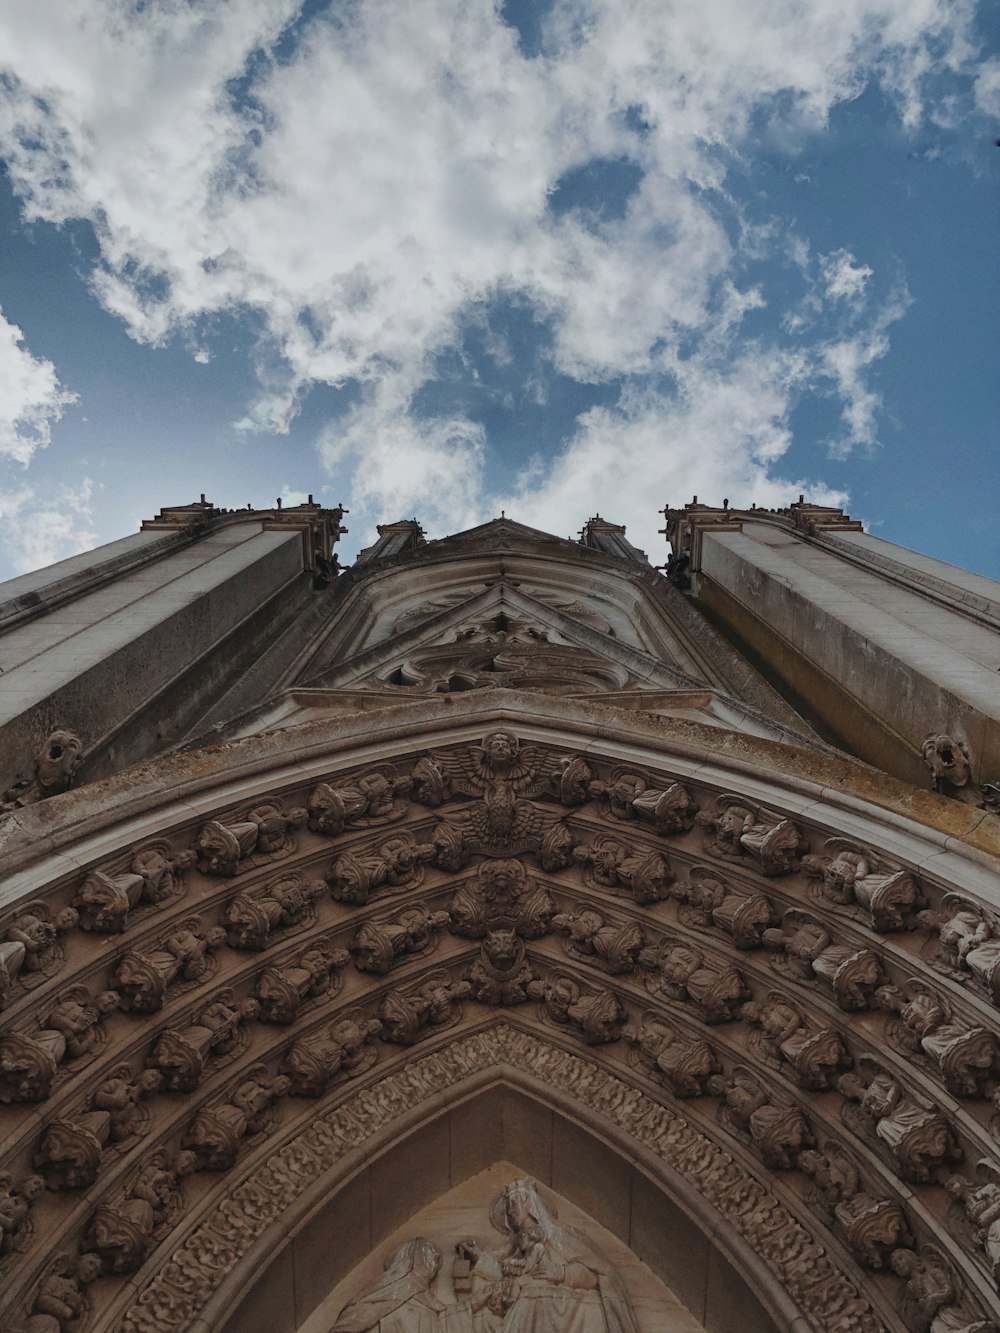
443	258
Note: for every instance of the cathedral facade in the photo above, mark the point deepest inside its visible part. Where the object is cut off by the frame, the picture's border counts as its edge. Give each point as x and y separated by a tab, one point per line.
500	935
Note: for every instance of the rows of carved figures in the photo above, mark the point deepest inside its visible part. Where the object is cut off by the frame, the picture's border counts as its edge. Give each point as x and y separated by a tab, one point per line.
519	808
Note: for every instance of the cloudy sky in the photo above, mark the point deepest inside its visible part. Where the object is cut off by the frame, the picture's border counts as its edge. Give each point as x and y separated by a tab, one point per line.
443	257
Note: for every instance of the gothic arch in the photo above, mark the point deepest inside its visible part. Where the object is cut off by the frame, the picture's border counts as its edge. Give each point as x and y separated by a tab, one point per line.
297	924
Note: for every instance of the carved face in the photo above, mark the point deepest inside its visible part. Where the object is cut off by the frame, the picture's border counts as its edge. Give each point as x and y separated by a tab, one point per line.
500	747
58	758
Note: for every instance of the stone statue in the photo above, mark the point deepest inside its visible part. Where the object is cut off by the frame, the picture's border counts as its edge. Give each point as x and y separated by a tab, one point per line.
682	974
735	831
686	1065
918	1136
142	979
501	974
616	946
55	768
216	1133
670	810
79	1016
368	799
647	876
502	893
380	943
967	1057
61	1302
711	904
396	862
808	951
30	943
598	1015
434	1002
816	1055
15	1205
281	990
778	1128
850	875
120	1095
311	1062
948	761
981	1203
69	1154
180	1054
104	900
928	1286
248	919
402	1300
226	849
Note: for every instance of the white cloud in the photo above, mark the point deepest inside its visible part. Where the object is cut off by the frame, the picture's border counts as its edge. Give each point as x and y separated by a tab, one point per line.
39	529
390	174
32	397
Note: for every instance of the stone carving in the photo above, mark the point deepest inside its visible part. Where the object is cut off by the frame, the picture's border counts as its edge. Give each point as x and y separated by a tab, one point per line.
873	1227
173	1297
406	1013
395	862
402	1298
15	1206
367	800
709	904
69	1154
217	1132
682	973
125	1227
948	761
928	1286
968	942
847	874
684	1064
228	849
104	900
30	947
249	919
598	1015
776	1126
380	943
980	1200
79	1016
280	991
735	830
501	974
499	775
61	1303
502	893
618	947
967	1057
628	795
29	1064
142	979
55	768
807	950
918	1136
121	1095
646	875
311	1062
180	1054
815	1055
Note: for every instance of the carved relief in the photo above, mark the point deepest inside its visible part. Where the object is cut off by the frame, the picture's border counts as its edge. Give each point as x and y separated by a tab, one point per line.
709	904
104	900
776	1126
683	1064
30	948
736	830
249	919
967	943
217	1132
15	1208
807	950
370	799
69	1154
142	979
434	1002
967	1057
501	893
125	1227
980	1202
872	1227
311	1062
815	1055
501	974
121	1095
280	991
616	947
180	1054
645	875
380	943
598	1015
62	1302
264	833
918	1137
54	768
395	863
681	973
670	810
848	874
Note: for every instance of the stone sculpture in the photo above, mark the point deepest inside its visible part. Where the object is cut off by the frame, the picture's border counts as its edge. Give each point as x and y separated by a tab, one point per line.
104	900
735	830
180	1054
405	1013
280	991
628	795
401	1301
617	947
61	1302
966	1056
15	1206
54	769
598	1015
502	892
121	1095
807	950
227	849
709	903
684	1064
249	919
501	974
216	1133
850	875
815	1055
777	1127
980	1200
380	943
142	979
30	943
367	800
395	863
948	761
311	1062
918	1137
69	1154
78	1017
681	973
646	875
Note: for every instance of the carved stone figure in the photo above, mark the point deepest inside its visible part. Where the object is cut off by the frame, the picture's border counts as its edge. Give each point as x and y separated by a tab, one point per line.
396	862
501	893
873	1227
15	1206
981	1202
598	1015
573	780
969	940
734	830
104	900
851	875
402	1300
281	990
918	1136
779	1129
249	919
69	1154
405	1013
670	810
501	974
180	1054
30	943
124	1227
120	1095
61	1298
142	979
311	1062
808	950
54	767
29	1064
217	1132
548	1276
967	1057
681	973
646	875
685	1065
617	946
712	904
928	1286
79	1016
225	849
369	799
816	1055
378	944
948	761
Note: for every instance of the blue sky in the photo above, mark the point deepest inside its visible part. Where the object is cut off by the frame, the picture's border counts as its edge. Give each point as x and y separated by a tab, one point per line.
439	258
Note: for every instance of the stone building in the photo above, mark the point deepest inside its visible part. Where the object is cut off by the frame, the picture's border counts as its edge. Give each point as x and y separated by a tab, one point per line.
499	935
